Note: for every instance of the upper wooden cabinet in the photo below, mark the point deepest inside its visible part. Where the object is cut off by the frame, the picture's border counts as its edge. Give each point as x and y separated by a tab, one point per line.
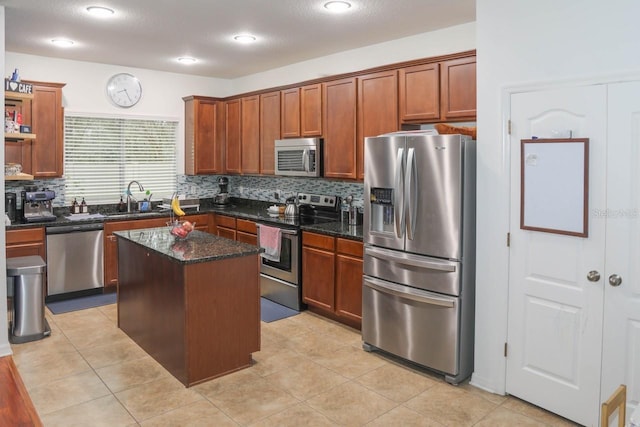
301	111
458	85
233	136
340	128
204	138
269	130
250	134
440	91
377	109
311	110
41	156
290	115
48	125
420	92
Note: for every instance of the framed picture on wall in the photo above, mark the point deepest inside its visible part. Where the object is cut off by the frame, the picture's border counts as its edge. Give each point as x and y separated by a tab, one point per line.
554	185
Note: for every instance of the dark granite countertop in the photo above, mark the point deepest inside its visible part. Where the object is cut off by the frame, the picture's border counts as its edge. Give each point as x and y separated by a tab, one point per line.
197	247
253	210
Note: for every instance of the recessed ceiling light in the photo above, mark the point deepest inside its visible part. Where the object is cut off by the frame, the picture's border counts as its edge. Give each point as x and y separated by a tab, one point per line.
244	38
100	11
62	42
187	60
337	6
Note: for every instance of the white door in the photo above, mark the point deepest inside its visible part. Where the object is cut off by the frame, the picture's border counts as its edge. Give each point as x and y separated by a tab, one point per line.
555	313
621	342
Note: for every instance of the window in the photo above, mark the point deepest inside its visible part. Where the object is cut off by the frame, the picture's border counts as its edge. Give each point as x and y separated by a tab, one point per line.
102	155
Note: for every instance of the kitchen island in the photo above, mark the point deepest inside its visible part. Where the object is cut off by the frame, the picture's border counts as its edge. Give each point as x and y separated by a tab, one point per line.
192	304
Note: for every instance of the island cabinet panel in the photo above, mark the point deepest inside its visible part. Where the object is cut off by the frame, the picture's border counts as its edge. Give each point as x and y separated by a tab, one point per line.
204	137
311	110
419	96
233	136
290	113
340	129
269	130
377	109
458	83
250	134
198	320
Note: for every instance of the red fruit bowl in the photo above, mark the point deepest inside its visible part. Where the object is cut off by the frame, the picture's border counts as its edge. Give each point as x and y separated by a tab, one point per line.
181	229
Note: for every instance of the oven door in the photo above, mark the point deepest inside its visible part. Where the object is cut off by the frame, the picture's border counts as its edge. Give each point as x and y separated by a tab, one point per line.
287	268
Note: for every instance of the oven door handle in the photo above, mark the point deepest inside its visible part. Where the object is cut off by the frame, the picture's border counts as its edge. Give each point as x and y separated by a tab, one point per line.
285	231
408	293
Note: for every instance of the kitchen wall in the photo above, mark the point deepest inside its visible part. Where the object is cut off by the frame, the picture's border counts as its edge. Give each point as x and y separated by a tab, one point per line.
524	43
4	337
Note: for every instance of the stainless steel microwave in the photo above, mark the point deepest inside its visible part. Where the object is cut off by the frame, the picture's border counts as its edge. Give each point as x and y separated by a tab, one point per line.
298	157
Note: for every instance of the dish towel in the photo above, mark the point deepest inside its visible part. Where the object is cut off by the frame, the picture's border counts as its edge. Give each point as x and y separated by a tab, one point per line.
269	238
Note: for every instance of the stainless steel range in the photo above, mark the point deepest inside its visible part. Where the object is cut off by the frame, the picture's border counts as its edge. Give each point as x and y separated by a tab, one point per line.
281	279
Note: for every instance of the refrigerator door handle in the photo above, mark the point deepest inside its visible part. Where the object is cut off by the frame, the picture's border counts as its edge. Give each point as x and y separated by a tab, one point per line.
398	189
408	293
411	193
408	259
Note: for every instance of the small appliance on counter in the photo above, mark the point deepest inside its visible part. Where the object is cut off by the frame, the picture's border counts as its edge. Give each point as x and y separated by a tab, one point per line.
222	198
10	205
37	206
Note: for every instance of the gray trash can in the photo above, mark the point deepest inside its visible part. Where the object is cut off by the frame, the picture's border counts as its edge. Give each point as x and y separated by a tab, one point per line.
28	323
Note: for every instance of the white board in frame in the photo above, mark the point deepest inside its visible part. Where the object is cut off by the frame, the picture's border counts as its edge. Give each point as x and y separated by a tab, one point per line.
554	185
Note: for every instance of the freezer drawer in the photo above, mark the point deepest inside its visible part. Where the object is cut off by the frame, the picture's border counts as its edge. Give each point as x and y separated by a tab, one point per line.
420	326
418	271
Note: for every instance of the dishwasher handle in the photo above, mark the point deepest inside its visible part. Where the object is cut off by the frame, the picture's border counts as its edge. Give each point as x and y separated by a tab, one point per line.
77	228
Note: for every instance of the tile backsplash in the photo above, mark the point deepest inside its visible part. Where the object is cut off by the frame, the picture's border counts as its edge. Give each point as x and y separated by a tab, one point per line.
261	188
264	188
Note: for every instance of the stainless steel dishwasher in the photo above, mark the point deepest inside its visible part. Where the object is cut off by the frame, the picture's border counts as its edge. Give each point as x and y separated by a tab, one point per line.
75	258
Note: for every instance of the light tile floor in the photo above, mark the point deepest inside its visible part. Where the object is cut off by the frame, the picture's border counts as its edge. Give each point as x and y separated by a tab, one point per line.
310	371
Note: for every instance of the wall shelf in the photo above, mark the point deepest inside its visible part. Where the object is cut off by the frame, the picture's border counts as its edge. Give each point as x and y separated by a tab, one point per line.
19	177
16	96
19	136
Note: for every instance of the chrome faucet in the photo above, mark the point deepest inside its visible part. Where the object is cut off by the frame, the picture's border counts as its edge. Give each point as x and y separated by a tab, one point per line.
129	196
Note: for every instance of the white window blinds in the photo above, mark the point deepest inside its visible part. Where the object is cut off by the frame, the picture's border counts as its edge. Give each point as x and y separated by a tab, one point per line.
102	155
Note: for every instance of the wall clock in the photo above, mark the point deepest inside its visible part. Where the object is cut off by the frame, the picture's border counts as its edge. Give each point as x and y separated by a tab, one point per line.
124	90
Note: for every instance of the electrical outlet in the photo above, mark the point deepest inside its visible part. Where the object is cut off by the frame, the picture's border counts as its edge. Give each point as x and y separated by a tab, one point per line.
276	194
193	190
241	190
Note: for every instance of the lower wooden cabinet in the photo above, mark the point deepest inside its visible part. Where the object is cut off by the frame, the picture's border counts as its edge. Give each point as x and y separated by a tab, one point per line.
226	227
241	230
332	276
111	242
246	231
26	242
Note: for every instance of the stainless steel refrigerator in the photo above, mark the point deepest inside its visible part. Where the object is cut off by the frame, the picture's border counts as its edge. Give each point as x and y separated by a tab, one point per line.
419	257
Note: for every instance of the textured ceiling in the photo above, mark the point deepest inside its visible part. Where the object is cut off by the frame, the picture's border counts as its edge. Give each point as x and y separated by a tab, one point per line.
153	33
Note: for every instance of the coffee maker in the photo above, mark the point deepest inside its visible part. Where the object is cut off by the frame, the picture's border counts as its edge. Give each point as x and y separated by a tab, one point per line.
222	198
37	206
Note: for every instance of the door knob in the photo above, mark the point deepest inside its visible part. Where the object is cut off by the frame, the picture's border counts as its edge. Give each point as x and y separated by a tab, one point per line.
615	280
593	276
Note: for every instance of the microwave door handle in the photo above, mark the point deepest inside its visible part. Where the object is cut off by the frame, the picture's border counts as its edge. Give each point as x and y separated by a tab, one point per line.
411	193
305	159
398	189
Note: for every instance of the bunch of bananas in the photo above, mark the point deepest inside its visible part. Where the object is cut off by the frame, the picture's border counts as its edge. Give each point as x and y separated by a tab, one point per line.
175	206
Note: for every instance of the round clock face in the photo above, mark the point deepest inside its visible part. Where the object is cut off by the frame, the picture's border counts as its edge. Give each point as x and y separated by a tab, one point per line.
124	90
